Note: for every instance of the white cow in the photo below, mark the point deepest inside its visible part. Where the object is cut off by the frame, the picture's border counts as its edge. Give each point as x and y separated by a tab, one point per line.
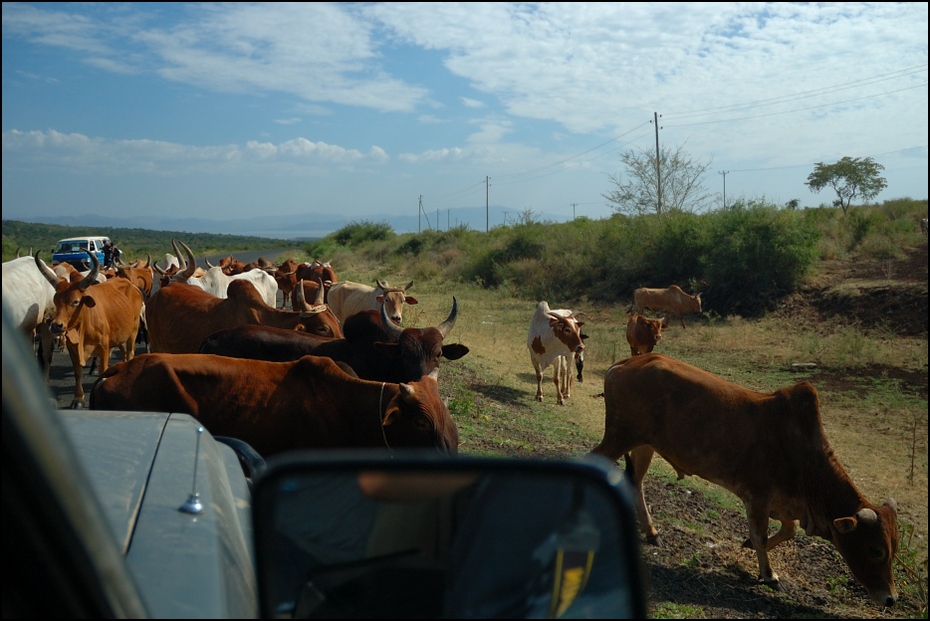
346	298
554	338
28	298
216	282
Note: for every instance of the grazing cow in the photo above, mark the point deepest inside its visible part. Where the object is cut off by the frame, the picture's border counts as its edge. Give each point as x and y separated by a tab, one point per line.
93	317
179	317
29	299
554	335
767	448
374	347
643	334
346	298
672	300
308	403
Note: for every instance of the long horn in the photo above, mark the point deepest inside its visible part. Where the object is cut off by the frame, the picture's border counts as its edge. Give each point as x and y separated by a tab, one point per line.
299	302
392	329
446	326
179	256
207	261
409	284
381	284
50	276
319	293
157	268
91	277
189	268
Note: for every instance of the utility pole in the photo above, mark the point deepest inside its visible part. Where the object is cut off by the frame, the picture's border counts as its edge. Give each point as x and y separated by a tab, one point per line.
724	173
419	212
573	210
487	212
437	220
658	169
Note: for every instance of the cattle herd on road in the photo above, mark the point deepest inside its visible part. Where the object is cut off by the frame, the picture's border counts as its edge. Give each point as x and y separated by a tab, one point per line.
337	370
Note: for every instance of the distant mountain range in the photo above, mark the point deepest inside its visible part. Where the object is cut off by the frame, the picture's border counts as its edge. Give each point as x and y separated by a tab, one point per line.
299	227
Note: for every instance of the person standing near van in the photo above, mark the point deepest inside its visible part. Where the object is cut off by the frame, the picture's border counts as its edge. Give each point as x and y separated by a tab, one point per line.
107	254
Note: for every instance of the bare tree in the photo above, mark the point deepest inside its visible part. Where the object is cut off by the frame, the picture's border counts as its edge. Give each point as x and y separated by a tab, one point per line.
682	183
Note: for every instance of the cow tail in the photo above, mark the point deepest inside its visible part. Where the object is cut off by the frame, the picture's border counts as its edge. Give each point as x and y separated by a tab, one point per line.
629	471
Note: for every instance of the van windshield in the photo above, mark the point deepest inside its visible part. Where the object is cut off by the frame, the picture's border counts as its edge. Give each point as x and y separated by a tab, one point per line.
74	246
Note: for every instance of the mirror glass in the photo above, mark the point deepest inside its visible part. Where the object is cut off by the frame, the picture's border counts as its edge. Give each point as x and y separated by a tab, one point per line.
474	541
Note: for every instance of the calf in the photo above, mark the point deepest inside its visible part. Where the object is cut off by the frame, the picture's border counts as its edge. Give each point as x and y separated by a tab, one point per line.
643	334
554	336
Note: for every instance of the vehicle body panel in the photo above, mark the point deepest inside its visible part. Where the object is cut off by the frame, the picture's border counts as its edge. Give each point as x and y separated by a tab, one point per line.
74	250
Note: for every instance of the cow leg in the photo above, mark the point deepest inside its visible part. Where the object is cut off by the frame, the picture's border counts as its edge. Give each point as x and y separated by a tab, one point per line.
46	348
539	380
638	461
789	529
758	516
77	401
565	377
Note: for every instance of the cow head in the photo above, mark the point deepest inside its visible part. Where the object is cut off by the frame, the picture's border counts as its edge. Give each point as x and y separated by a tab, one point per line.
418	417
644	334
394	298
70	296
419	350
868	542
567	328
315	318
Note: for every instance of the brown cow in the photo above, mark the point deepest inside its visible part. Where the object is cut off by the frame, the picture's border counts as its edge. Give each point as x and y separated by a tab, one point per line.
142	277
672	300
308	403
373	346
94	318
180	316
769	449
643	334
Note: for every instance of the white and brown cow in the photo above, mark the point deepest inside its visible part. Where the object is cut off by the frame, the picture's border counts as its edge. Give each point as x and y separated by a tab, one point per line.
347	298
554	338
769	449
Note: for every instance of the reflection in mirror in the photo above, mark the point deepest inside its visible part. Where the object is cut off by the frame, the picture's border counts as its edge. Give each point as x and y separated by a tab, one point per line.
363	542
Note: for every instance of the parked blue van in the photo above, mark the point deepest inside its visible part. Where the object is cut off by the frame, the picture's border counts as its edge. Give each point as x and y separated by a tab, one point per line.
74	250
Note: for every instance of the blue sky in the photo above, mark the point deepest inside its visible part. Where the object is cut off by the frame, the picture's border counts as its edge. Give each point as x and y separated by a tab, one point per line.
360	111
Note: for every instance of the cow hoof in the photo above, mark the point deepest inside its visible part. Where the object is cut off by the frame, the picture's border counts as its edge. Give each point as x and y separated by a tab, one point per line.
747	544
77	405
775	585
652	540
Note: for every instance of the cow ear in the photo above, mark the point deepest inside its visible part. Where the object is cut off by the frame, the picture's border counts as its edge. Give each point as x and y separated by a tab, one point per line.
89	301
410	300
846	525
379	299
389	350
454	351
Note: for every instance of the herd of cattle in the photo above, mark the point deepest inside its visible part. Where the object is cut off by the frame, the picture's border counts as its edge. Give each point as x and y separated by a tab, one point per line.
336	369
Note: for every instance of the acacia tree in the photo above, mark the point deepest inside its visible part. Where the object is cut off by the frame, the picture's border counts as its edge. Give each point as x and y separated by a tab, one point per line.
850	178
677	184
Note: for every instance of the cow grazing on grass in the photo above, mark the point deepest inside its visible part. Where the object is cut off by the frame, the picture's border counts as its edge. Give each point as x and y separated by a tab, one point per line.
672	300
347	298
769	449
93	317
276	407
374	347
643	334
554	337
179	317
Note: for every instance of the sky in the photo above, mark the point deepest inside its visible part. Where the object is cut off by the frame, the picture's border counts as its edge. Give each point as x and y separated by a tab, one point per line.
363	111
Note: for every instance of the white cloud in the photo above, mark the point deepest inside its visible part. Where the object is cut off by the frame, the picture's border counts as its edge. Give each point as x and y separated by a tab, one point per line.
290	121
471	103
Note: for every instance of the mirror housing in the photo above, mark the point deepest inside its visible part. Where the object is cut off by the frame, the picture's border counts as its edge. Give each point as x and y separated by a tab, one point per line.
360	534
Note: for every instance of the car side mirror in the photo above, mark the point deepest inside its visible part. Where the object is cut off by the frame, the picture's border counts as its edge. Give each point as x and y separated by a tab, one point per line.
411	535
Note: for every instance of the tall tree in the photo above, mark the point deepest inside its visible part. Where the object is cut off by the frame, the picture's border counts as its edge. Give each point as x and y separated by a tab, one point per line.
682	183
850	178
